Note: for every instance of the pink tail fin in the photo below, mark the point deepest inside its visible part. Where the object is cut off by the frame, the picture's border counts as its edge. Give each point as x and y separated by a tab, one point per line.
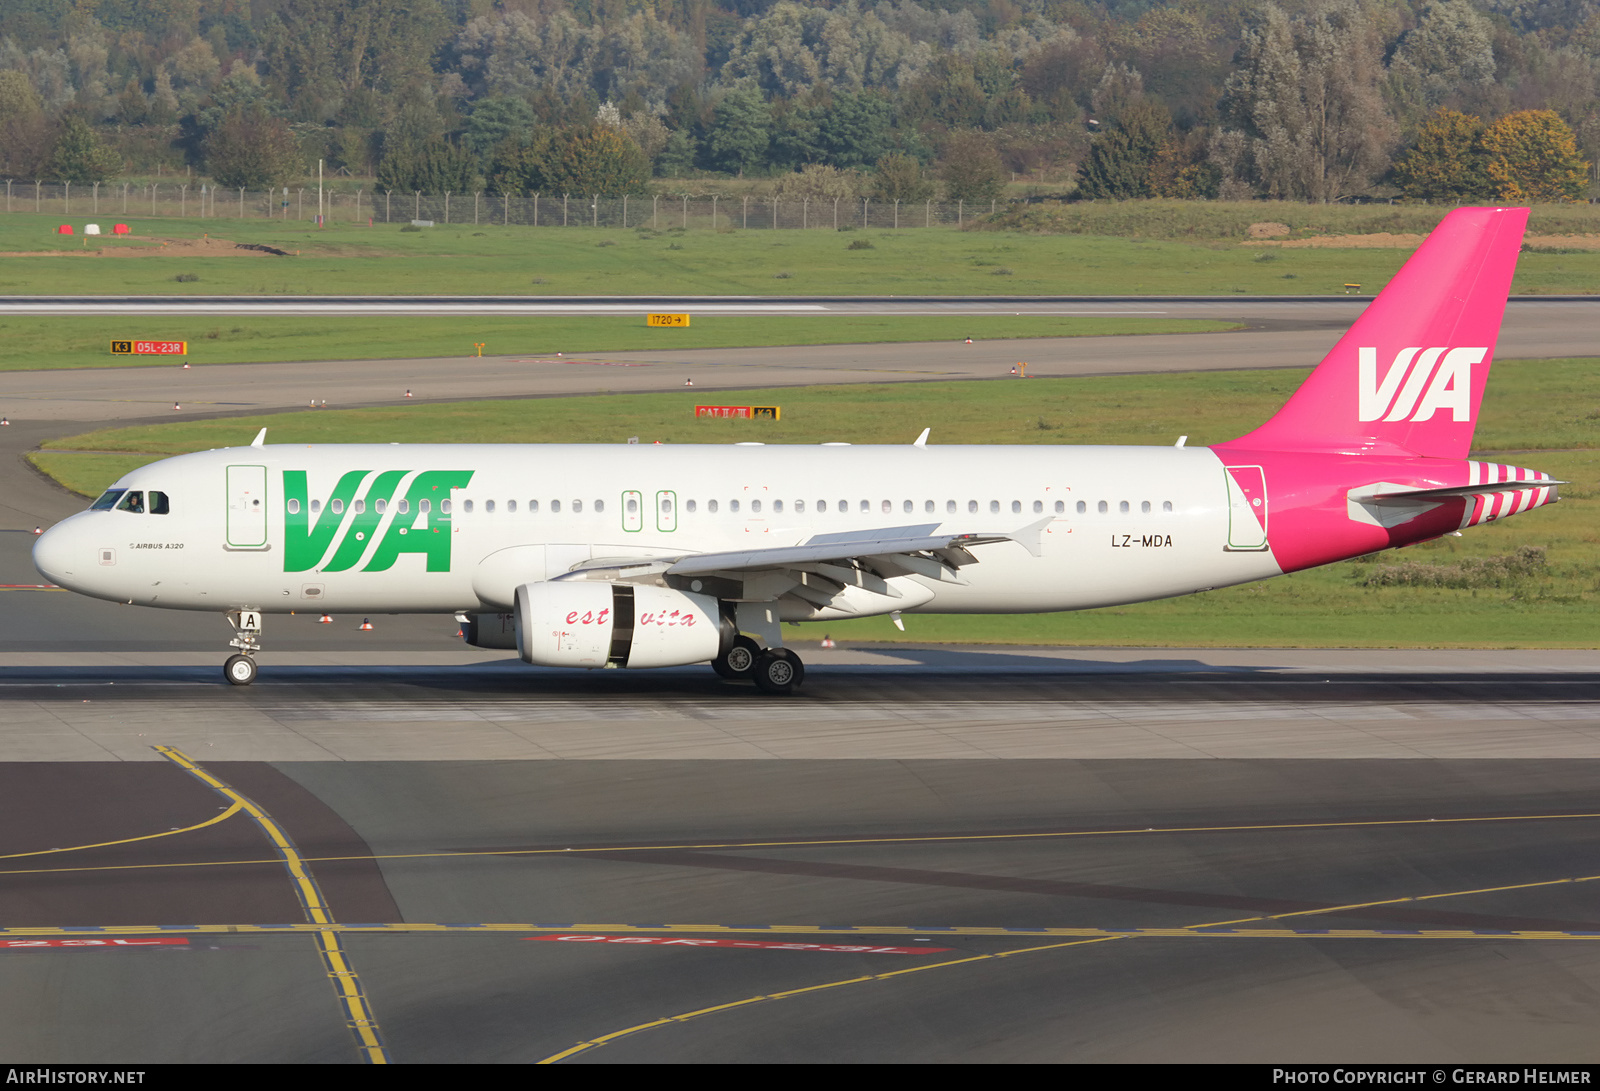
1408	377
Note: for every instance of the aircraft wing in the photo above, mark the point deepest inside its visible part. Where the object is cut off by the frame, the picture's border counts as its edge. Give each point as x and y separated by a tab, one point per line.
820	567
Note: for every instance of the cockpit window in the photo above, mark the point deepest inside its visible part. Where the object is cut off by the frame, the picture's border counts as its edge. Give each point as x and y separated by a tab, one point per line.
132	501
108	500
158	503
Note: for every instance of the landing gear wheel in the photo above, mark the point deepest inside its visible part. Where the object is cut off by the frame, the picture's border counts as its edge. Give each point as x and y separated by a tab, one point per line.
240	670
740	660
778	671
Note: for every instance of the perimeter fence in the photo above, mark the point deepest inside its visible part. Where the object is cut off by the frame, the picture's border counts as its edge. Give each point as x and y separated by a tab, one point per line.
660	212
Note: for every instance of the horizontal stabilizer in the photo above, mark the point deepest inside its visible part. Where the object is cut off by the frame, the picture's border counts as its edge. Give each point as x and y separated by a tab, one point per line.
1463	490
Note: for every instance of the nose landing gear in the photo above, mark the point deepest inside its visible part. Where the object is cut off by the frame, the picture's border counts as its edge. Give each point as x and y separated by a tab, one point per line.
240	669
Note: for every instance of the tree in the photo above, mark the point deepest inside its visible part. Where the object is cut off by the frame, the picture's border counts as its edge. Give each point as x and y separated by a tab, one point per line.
740	132
432	165
27	135
80	155
1305	95
1447	161
970	168
1121	160
900	178
254	150
493	120
597	159
1447	58
1531	155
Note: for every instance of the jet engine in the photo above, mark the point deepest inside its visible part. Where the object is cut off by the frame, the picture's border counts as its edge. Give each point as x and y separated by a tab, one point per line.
586	623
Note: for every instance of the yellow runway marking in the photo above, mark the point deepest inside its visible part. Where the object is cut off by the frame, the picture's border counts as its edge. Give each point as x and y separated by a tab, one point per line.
823	843
346	985
226	814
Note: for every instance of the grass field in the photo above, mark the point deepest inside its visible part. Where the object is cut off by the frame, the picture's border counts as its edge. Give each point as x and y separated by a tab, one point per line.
31	343
1543	413
522	261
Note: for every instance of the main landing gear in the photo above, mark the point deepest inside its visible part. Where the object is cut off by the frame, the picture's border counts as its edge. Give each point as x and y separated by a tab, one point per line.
773	670
240	669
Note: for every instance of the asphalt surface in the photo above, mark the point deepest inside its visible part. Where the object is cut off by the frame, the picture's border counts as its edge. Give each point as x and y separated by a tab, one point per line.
1060	821
1000	884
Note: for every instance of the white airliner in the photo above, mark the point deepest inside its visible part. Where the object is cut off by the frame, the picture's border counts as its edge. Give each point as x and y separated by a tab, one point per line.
650	556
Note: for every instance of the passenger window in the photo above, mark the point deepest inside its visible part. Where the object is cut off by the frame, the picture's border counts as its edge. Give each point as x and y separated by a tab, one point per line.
511	507
799	507
294	507
404	505
108	500
382	506
599	506
316	506
158	503
972	507
424	506
1061	507
1016	507
1144	507
866	506
907	506
688	504
444	507
1166	505
733	506
488	507
1123	507
577	507
950	507
844	506
1103	507
1082	507
633	506
755	505
466	506
361	506
887	507
132	501
927	506
1038	506
822	506
994	507
337	506
711	506
555	507
533	506
777	506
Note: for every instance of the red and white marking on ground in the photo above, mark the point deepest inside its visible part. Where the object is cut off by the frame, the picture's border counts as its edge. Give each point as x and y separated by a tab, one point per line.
155	941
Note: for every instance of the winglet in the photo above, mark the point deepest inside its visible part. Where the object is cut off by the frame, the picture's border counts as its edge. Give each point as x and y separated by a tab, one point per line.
1031	537
261	438
922	440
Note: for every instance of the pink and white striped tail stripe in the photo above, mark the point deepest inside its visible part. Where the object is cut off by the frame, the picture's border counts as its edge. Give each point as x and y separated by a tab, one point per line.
1491	504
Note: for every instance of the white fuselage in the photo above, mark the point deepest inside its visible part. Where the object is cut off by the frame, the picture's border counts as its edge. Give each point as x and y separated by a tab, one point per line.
255	527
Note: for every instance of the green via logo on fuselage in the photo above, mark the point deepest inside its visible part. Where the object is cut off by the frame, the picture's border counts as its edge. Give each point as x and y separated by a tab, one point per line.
418	520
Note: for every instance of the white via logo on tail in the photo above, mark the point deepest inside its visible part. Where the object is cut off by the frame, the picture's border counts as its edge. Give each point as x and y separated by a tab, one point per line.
1450	386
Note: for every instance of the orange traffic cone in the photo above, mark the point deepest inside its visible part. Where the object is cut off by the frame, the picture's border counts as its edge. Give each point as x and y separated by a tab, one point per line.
365	626
186	367
175	405
969	340
827	641
408	393
325	619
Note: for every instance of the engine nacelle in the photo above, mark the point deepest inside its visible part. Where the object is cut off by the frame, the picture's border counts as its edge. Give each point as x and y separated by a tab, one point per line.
586	623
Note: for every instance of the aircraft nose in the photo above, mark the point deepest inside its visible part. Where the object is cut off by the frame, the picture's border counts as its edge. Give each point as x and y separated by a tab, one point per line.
60	555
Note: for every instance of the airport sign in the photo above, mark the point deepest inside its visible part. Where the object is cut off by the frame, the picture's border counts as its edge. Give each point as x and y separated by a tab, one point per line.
150	348
676	320
746	412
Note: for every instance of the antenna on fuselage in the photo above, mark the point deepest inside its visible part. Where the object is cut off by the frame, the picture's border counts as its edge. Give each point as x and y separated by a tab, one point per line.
261	438
922	440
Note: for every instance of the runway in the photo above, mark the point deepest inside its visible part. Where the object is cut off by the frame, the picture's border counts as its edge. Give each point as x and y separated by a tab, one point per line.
394	848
